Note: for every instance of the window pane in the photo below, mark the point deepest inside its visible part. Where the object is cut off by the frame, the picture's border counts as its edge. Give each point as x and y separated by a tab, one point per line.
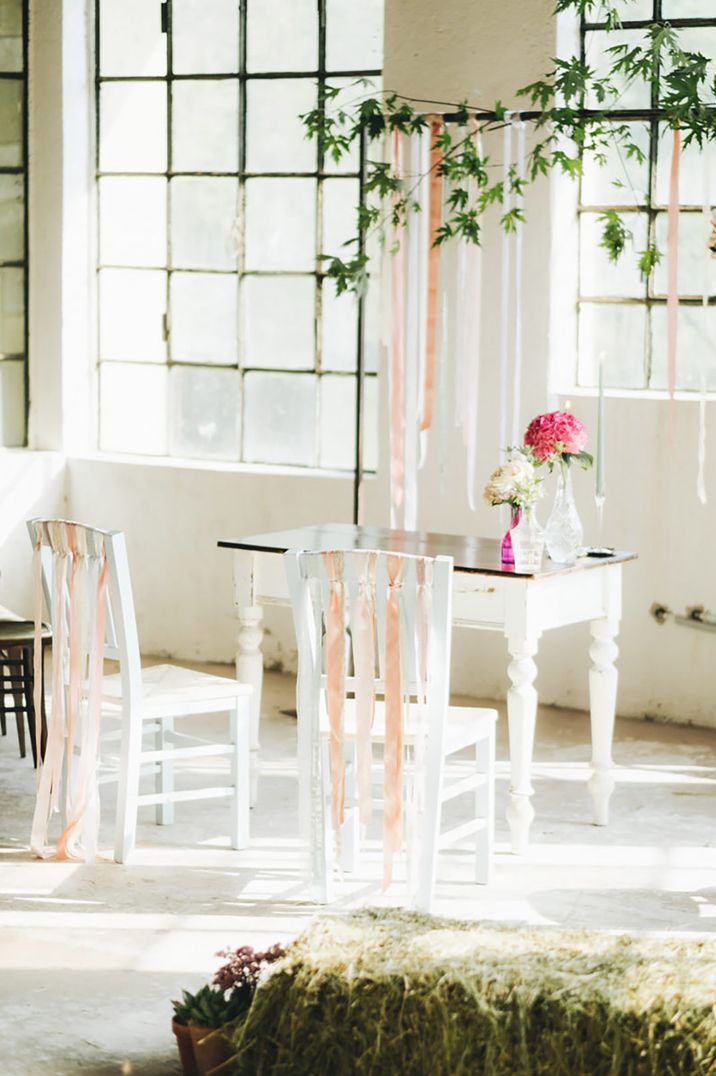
282	36
205	36
132	222
340	329
275	136
203	216
205	125
133	127
12	404
695	349
597	42
11	35
133	408
687	9
338	423
279	322
599	275
621	180
204	413
616	332
347	99
354	35
280	224
696	266
340	208
131	41
691	172
203	318
12	218
280	418
10	123
12	312
131	308
632	9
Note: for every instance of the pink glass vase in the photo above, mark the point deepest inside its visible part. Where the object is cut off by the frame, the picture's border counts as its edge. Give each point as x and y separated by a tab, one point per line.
507	555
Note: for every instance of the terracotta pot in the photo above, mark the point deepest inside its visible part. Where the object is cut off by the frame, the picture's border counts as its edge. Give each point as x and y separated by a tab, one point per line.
211	1049
185	1044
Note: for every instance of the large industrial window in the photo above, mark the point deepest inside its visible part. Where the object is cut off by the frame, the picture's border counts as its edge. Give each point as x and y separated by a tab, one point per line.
13	222
218	337
622	316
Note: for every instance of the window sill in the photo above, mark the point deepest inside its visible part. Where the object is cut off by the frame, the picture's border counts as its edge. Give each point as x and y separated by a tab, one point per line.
217	466
655	395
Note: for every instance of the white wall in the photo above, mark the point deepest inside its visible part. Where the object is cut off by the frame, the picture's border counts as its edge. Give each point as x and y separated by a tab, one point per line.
174	515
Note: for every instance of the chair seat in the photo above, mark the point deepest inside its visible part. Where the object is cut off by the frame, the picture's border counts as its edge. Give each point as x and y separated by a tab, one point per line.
466	724
16	632
172	691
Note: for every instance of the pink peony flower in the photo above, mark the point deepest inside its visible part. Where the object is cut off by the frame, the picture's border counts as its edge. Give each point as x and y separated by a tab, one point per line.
556	433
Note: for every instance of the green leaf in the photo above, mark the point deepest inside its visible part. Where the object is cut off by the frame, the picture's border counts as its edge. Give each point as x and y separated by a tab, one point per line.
614	234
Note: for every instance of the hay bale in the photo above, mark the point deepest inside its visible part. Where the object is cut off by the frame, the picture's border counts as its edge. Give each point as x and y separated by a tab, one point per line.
399	994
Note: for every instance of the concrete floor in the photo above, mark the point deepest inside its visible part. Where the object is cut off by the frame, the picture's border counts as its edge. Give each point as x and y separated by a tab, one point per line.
90	956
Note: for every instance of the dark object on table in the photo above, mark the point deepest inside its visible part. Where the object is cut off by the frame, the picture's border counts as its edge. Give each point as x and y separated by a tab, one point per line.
600	551
17	646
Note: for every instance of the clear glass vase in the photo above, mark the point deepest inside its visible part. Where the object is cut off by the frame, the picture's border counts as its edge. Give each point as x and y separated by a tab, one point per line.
563	533
528	541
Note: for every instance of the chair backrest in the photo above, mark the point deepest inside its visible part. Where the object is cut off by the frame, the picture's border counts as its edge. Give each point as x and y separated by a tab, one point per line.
368	624
77	561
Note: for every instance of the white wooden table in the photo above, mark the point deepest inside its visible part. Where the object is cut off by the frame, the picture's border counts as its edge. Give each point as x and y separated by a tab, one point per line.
485	596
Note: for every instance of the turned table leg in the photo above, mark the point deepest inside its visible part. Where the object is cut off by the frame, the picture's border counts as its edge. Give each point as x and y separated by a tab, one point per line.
521	716
603	698
249	659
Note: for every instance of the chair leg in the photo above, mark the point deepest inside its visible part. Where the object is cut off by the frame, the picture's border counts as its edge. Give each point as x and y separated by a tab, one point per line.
29	681
485	807
3	722
427	870
128	787
19	687
164	778
322	838
241	772
350	828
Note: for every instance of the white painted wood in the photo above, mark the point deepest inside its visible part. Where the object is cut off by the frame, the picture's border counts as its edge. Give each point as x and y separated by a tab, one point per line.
150	700
448	729
249	661
603	679
522	608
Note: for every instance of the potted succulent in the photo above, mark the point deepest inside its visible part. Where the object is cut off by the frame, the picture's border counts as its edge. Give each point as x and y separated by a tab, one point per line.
202	1020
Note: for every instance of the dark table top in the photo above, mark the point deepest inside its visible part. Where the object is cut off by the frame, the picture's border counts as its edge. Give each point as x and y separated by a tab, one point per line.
479	555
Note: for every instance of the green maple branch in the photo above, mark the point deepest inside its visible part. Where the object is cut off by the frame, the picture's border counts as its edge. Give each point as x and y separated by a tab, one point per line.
678	80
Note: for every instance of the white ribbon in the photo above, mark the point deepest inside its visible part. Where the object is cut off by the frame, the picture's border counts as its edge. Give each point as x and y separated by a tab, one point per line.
517	372
505	290
472	350
414	315
701	453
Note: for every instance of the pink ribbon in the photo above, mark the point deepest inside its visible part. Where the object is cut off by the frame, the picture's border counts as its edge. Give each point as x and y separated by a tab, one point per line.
335	686
393	749
435	210
364	666
672	269
397	355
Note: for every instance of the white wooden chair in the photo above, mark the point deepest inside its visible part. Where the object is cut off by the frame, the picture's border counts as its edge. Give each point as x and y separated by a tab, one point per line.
341	685
144	702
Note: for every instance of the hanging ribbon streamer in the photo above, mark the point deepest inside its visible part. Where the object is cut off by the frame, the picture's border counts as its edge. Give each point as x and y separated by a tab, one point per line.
447	285
672	272
517	372
397	356
505	296
435	220
708	343
471	344
79	577
393	750
364	637
335	683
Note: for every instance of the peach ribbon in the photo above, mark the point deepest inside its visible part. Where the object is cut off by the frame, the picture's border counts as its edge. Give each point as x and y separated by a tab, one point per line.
364	666
397	359
335	686
672	268
435	218
393	750
80	581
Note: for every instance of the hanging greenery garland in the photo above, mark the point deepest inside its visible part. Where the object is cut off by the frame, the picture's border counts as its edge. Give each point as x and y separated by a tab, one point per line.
567	135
